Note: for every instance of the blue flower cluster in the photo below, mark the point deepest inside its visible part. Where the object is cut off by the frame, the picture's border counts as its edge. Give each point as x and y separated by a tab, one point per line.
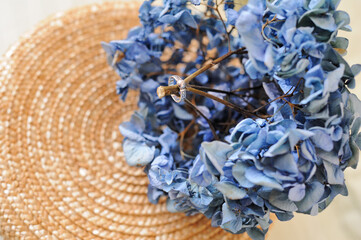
293	73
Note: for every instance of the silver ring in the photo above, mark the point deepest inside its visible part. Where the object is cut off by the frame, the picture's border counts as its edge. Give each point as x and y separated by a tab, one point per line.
176	80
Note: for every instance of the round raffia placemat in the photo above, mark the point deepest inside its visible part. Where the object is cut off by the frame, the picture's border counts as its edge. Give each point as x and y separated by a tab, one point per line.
62	171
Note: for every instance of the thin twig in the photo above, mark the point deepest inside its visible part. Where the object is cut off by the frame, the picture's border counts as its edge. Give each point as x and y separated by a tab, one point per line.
181	140
246	89
213	63
287	94
273	20
163	91
194	107
226	103
224	25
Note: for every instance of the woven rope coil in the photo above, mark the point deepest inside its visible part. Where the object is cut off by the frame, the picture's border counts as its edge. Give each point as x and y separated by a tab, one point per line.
62	172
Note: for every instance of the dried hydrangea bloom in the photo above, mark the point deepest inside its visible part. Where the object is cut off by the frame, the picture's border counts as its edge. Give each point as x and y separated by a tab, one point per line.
267	124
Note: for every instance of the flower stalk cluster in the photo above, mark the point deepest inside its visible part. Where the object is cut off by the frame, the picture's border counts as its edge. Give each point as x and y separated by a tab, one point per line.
244	114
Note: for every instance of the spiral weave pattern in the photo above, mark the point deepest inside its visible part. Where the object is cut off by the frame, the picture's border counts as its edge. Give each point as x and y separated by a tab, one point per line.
62	171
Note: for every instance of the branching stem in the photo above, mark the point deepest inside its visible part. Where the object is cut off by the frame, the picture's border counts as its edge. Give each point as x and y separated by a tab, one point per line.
163	91
194	107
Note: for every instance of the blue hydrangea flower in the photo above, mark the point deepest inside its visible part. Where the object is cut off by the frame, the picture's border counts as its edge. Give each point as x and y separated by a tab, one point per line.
289	155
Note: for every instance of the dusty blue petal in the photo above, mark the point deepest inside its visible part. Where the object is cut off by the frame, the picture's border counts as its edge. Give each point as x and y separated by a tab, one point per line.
356	69
317	104
199	174
258	178
171	206
333	79
321	139
138	52
216	152
330	157
168	178
281	201
358	140
239	173
264	221
168	140
296	135
324	21
230	221
127	130
308	151
297	193
334	173
314	193
314	4
217	219
154	194
230	190
342	43
337	133
184	17
187	19
274	136
137	153
355	104
286	216
228	214
260	140
281	147
255	233
196	2
355	126
342	19
248	26
232	16
286	163
353	162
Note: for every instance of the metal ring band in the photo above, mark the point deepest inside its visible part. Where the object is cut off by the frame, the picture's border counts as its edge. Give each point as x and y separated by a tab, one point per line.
176	80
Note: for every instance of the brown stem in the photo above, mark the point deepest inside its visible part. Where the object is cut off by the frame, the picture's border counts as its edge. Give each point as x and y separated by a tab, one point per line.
204	88
287	94
194	107
226	103
181	140
268	22
163	91
246	89
213	63
224	25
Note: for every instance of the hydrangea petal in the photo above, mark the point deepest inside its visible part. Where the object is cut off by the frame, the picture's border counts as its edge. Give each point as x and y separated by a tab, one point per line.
297	193
281	201
137	153
334	174
314	192
321	139
217	152
255	233
238	171
230	190
257	177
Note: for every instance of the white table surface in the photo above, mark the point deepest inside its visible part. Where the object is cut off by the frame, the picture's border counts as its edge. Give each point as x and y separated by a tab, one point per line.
341	221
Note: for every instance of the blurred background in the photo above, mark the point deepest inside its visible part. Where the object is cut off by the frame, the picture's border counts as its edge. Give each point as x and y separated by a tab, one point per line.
341	221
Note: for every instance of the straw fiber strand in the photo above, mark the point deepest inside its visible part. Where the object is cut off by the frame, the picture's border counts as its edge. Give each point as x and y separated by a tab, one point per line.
62	171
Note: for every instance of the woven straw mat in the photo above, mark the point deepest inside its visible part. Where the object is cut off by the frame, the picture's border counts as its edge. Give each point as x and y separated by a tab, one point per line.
62	171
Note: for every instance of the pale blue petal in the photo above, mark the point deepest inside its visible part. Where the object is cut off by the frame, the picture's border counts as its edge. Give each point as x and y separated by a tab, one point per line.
137	153
217	152
258	178
239	173
297	193
230	191
281	201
